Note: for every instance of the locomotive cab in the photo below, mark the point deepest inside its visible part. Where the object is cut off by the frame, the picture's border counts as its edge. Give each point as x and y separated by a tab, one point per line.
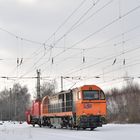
91	107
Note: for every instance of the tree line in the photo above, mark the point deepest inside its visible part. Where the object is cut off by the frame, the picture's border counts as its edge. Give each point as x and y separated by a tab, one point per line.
123	104
15	101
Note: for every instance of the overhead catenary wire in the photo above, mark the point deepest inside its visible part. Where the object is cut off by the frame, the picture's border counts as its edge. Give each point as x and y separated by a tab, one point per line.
96	46
81	17
66	48
107	59
116	44
73	28
100	45
114	37
99	30
93	14
98	75
119	80
77	53
85	13
112	81
19	37
55	31
78	20
115	20
33	66
66	20
34	54
108	72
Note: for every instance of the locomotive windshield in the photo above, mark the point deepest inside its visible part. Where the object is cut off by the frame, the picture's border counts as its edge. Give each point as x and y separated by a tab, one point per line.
91	95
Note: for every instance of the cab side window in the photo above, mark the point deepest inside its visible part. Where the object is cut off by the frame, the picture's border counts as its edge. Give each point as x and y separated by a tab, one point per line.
102	95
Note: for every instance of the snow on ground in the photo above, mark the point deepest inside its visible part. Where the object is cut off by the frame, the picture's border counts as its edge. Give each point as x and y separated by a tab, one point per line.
11	131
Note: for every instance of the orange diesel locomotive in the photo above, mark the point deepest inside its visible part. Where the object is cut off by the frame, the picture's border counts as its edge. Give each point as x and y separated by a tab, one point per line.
83	107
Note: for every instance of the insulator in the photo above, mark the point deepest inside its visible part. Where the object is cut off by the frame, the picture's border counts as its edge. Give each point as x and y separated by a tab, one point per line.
114	61
124	62
84	60
52	61
17	61
21	61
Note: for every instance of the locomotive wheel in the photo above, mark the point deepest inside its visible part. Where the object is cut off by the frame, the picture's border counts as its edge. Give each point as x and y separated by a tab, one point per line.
92	128
50	126
77	128
71	127
39	123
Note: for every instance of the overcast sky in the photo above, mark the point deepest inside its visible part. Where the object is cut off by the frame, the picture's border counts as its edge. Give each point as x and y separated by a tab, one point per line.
75	38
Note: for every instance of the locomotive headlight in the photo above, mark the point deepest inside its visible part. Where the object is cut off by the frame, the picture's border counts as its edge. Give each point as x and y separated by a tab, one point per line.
84	113
98	113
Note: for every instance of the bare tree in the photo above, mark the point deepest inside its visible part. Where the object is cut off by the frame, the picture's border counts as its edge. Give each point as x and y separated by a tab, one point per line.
47	88
14	102
124	104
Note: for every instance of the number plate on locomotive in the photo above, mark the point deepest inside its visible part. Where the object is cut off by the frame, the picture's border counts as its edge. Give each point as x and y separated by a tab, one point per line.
87	105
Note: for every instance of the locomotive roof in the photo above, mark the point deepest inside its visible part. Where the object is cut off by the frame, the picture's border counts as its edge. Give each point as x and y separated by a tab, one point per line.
68	91
63	92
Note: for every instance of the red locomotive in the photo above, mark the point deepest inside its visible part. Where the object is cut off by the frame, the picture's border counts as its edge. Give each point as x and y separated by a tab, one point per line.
83	107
